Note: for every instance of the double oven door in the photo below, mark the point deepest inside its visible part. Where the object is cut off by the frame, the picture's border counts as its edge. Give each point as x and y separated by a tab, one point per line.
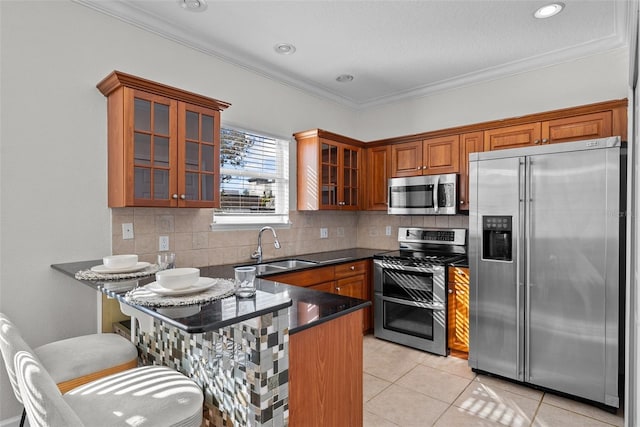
410	304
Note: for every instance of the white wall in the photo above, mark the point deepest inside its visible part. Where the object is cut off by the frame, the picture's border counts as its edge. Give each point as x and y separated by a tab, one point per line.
53	138
53	148
588	80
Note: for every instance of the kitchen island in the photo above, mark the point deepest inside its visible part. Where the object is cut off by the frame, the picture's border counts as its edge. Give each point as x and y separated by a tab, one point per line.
255	358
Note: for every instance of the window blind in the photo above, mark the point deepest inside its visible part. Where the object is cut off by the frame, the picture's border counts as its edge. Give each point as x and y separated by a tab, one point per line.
254	179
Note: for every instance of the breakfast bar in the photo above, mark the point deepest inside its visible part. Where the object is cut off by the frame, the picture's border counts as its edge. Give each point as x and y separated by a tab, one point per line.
240	351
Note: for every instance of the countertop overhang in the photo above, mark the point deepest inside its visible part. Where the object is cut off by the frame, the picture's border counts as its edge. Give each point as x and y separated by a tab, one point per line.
307	307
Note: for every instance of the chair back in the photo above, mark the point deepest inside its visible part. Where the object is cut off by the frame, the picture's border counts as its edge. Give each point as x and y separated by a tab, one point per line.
42	399
33	385
10	343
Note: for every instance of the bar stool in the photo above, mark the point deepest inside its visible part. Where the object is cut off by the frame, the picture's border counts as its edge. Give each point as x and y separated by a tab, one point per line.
145	396
79	360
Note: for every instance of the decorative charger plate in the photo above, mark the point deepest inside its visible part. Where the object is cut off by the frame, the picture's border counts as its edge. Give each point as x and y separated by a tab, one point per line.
217	289
202	284
104	269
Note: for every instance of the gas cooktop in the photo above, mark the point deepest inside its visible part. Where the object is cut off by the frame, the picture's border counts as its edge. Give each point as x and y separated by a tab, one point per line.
441	245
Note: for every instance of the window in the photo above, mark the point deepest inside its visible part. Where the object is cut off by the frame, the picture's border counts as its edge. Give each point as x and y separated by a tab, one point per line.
254	179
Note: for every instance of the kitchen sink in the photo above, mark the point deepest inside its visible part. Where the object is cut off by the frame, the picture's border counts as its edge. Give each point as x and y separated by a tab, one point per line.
290	263
280	266
266	268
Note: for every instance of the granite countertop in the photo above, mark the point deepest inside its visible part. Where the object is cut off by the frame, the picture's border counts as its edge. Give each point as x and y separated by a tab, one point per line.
464	263
308	307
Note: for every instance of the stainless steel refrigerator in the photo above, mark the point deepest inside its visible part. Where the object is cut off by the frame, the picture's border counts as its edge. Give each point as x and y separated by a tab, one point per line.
546	252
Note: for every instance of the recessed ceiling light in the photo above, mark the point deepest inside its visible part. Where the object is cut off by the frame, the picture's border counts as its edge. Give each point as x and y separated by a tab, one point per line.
549	10
193	5
284	48
344	78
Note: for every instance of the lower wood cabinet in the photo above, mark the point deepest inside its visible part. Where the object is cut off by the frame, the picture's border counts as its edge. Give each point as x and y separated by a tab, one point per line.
458	311
325	374
351	279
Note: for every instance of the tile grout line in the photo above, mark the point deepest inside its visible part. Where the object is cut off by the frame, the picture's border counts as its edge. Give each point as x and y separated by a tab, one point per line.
535	414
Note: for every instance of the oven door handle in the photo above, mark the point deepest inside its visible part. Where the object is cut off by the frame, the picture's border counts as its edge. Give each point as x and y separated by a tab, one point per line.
400	267
428	305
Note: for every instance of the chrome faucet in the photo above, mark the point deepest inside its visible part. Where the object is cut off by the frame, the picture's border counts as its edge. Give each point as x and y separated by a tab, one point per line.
257	254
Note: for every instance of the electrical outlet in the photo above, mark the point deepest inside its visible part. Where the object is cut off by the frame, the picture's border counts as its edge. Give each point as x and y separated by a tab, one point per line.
127	231
387	230
324	233
163	244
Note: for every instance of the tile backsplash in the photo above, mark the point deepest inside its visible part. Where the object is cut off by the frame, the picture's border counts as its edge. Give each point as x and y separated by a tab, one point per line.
196	246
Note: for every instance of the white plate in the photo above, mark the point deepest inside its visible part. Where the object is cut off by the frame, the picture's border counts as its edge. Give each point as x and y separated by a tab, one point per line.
203	284
104	269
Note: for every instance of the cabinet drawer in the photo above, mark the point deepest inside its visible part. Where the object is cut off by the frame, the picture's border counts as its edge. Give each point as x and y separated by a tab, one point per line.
312	276
351	269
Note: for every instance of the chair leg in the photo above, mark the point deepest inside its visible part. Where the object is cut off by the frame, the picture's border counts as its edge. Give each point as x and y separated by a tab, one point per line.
24	414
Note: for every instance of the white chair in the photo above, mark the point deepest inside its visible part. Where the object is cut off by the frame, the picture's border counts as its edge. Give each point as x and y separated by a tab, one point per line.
146	396
79	360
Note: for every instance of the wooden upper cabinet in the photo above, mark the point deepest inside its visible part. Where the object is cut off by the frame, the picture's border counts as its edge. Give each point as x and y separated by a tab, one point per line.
164	144
512	136
469	143
428	157
378	173
588	126
406	159
566	129
329	171
441	155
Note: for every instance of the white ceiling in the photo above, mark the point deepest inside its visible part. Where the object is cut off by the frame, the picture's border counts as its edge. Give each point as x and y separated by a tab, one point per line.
394	49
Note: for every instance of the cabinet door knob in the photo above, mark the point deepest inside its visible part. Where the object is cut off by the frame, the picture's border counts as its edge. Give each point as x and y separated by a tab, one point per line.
353	267
537	141
545	140
182	196
175	196
450	291
337	289
462	202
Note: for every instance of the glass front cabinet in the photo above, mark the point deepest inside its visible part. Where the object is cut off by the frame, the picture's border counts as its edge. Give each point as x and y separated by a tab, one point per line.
329	171
164	144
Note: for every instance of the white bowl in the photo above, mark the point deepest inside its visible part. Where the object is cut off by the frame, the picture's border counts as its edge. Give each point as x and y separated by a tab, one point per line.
178	278
120	261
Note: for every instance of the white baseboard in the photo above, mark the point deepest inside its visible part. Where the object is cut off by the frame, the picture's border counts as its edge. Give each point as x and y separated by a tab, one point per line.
12	422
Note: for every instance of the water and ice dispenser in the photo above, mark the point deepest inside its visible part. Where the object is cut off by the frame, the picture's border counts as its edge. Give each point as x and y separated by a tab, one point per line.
496	238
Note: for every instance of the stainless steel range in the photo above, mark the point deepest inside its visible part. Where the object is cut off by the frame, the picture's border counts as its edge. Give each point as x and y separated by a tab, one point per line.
410	291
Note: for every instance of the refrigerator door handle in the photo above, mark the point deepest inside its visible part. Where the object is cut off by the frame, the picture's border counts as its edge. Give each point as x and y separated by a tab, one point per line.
527	256
520	238
529	171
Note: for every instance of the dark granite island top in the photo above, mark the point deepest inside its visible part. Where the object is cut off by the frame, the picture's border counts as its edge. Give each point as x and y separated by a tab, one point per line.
292	338
307	307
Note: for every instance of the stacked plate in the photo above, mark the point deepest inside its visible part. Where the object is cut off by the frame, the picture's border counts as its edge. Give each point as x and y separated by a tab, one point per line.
120	264
179	281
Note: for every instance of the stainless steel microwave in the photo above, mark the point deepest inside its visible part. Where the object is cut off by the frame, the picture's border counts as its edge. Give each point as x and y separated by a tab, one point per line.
424	195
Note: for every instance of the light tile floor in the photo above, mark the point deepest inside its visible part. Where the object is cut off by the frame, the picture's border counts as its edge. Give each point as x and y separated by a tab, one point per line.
406	387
